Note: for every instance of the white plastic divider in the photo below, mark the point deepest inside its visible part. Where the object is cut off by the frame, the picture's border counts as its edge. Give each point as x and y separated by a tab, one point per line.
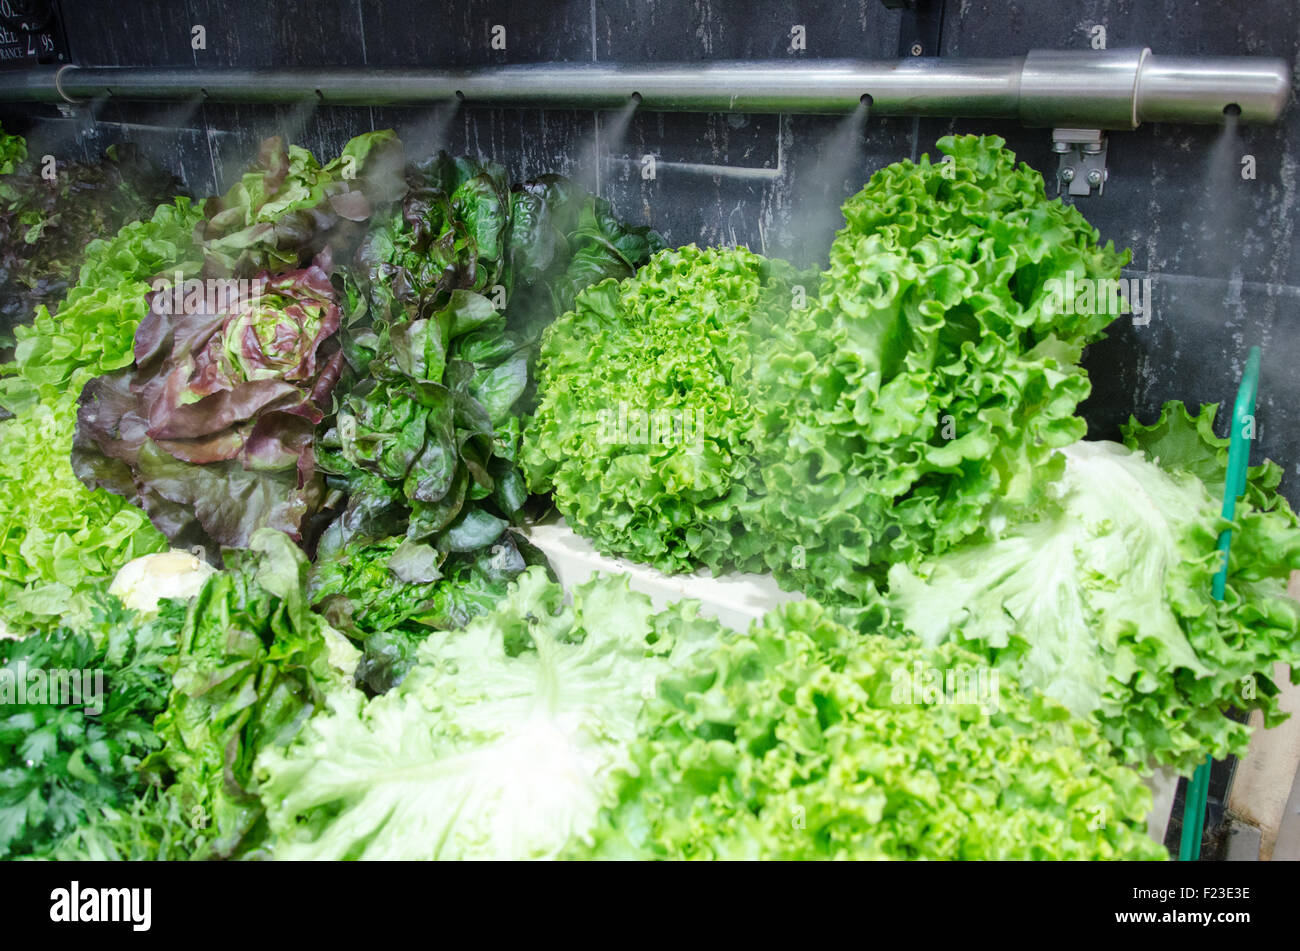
735	599
1163	784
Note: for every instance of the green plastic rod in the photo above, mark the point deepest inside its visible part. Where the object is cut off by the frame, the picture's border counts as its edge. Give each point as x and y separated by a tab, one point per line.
1243	428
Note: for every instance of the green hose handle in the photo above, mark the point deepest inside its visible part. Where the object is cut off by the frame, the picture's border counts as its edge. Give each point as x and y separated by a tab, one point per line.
1243	428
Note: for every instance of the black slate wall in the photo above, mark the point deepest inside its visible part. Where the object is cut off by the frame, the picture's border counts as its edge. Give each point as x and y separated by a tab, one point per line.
1222	280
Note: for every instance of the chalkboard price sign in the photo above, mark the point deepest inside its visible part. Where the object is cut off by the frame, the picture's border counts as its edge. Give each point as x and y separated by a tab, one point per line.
30	34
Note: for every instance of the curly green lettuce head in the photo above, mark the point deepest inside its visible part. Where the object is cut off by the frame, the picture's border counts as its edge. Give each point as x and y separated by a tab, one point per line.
804	740
93	330
59	541
935	376
643	416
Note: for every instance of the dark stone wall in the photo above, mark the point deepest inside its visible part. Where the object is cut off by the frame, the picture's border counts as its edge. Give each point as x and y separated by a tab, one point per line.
1225	274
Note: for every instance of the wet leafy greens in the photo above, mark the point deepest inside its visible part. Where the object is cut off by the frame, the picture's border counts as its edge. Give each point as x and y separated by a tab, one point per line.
1101	597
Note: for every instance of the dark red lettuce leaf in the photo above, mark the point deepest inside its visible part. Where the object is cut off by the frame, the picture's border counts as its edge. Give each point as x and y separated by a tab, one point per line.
212	431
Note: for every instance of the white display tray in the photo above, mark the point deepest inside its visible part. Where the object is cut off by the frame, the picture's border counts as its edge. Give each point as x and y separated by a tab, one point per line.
733	598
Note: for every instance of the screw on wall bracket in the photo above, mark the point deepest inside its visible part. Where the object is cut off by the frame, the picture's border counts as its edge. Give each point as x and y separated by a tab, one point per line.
920	26
1082	166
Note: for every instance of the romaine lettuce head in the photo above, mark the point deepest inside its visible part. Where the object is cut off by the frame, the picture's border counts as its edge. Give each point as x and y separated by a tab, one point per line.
503	742
934	378
802	739
253	662
1101	597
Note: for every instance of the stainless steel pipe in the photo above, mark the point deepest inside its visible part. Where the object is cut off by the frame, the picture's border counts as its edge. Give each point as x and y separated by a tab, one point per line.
1110	89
